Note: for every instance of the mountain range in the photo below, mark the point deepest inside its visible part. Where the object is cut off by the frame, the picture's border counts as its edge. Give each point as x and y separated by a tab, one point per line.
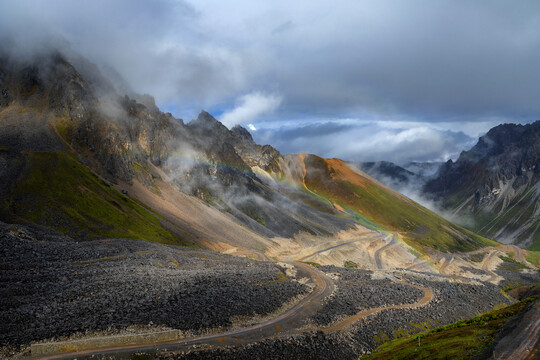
53	118
126	232
491	189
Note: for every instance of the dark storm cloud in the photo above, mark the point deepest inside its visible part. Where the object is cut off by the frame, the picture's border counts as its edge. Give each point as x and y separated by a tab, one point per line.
445	59
432	58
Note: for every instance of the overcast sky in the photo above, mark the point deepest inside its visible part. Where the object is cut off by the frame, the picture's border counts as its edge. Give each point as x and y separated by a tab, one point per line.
360	80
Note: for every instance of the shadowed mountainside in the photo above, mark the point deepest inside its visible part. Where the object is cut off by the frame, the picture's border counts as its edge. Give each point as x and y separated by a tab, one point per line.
494	188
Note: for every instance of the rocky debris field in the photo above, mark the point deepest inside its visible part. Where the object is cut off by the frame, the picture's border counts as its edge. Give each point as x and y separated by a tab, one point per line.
52	286
452	301
358	290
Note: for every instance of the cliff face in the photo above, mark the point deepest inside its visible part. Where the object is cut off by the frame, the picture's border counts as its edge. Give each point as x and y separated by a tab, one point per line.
111	136
494	187
117	134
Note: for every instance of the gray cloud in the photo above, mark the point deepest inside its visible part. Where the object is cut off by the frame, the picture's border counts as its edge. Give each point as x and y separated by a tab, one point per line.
417	61
444	59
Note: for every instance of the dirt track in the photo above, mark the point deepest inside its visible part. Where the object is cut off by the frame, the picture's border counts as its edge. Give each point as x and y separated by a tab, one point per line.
428	295
285	324
335	247
485	266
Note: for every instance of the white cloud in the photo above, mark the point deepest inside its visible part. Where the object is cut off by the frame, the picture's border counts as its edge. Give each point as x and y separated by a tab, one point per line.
252	127
250	107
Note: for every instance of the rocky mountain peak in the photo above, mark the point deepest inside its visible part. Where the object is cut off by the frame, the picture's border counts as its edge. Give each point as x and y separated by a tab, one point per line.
242	133
204	118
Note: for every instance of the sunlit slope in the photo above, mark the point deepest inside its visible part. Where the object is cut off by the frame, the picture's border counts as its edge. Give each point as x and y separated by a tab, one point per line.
377	206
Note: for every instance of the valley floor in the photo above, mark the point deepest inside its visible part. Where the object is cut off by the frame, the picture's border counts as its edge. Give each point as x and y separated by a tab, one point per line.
59	291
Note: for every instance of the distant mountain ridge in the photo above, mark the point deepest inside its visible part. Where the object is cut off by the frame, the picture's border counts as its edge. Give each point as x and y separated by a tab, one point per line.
494	188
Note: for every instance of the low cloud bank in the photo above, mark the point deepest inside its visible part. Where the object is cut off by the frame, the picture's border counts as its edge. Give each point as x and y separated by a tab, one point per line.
374	141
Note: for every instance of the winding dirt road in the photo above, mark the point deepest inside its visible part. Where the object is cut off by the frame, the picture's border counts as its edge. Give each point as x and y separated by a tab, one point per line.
485	264
337	246
428	295
519	254
419	264
285	323
447	260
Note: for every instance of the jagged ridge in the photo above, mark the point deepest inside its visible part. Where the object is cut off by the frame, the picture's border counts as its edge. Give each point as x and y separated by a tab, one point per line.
496	185
126	139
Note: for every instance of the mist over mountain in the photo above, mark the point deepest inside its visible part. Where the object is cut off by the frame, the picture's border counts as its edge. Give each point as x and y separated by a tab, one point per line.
273	66
409	177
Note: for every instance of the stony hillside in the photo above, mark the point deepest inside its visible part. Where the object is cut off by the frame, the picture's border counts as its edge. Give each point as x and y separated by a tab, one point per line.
52	117
486	336
494	188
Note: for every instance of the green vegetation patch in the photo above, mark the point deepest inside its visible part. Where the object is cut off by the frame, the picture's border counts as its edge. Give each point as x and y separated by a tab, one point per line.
56	190
314	264
511	264
464	339
350	264
533	257
414	253
511	285
281	277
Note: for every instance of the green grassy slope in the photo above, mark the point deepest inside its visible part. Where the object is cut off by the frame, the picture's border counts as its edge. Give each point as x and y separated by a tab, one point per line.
55	190
465	339
377	206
